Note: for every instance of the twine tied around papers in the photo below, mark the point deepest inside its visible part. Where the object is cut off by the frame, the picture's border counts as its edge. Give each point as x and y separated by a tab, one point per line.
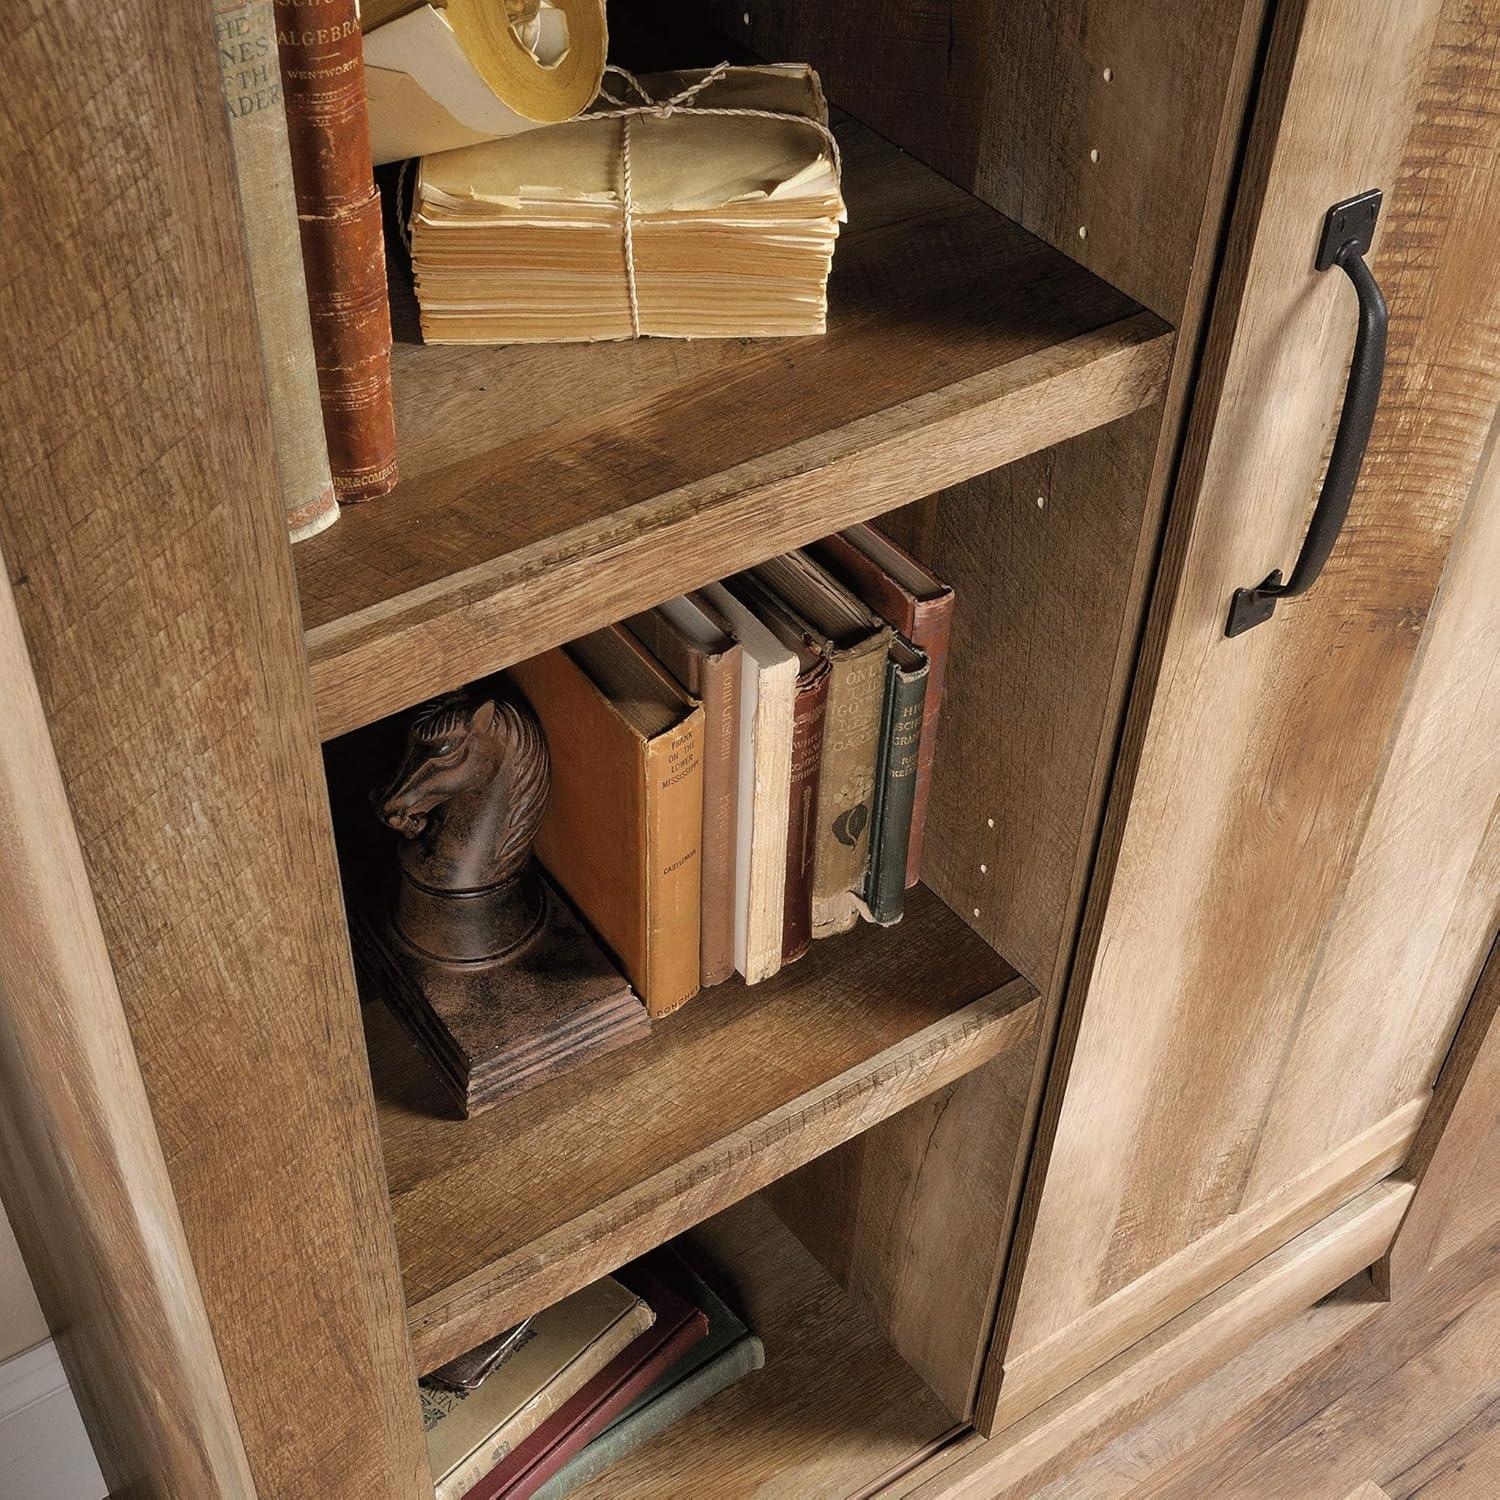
685	99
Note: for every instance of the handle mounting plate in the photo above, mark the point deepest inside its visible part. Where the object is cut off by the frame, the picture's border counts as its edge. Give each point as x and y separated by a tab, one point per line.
1350	223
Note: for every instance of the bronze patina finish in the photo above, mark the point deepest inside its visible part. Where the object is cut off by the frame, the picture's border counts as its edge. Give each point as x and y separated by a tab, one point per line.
481	956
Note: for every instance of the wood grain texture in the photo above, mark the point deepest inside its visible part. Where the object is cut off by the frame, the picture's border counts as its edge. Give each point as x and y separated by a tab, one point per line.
501	1215
1016	1464
1011	101
634	471
81	1168
1248	766
1457	1127
832	1411
140	521
1052	599
907	1218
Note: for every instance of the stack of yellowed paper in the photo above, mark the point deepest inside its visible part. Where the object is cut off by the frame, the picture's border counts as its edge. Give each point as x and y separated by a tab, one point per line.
732	221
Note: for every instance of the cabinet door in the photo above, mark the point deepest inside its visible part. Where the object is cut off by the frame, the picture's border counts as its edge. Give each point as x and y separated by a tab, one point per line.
1283	922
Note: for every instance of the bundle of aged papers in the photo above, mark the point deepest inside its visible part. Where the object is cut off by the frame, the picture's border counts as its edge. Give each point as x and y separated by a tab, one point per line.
732	220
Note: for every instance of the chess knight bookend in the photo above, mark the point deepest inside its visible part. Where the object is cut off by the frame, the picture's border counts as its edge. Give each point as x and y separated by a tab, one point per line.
481	957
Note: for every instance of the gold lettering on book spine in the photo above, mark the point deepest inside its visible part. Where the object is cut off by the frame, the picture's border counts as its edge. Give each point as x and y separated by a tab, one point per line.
343	252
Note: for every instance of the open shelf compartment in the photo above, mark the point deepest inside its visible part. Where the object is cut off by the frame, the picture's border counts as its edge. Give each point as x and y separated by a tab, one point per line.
550	489
500	1215
835	1410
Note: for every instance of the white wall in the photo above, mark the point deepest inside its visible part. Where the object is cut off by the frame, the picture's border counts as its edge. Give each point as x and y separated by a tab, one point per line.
21	1321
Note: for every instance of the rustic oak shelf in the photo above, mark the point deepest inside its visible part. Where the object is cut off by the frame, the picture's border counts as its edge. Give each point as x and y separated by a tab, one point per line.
501	1215
547	490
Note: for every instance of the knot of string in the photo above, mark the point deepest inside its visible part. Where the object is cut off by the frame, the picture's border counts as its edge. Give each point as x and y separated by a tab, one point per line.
685	99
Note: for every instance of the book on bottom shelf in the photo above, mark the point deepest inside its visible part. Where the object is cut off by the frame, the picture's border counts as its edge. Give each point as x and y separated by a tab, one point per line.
622	831
565	1347
729	1353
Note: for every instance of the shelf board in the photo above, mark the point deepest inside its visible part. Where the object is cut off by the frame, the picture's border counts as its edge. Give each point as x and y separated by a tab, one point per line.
834	1411
501	1215
550	489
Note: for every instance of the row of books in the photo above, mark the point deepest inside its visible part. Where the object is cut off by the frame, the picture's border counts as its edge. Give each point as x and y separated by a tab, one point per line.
744	769
540	1409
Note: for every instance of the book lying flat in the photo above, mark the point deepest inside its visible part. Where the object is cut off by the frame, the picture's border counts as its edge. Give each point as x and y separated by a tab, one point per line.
920	605
678	1328
699	650
768	690
729	1353
856	643
624	820
568	1344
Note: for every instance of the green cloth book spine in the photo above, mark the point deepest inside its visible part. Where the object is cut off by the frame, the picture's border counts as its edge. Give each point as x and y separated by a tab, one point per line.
896	781
639	1426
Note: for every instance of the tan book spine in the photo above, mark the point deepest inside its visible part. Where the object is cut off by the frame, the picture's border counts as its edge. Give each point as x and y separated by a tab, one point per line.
672	840
343	252
846	783
713	678
250	75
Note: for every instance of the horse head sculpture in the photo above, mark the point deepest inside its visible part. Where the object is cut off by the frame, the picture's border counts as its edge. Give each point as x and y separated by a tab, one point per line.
467	802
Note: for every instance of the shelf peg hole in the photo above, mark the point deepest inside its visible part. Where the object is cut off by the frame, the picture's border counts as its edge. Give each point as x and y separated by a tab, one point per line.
1041	502
1094	154
1109	75
1083	231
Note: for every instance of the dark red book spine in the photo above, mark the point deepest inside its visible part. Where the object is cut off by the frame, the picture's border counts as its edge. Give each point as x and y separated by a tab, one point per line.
802	815
584	1415
343	253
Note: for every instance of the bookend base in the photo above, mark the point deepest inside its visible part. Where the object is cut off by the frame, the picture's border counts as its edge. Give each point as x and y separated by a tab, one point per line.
497	1027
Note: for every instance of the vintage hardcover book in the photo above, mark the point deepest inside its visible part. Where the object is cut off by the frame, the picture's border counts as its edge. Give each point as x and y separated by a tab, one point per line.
808	717
768	689
456	72
251	79
856	644
920	605
727	1354
701	653
624	822
679	1327
343	253
906	675
568	1344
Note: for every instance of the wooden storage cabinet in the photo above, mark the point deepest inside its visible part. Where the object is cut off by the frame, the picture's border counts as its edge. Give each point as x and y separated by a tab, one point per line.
986	1182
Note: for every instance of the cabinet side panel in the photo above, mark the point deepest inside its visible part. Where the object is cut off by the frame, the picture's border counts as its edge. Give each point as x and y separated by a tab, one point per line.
140	523
81	1169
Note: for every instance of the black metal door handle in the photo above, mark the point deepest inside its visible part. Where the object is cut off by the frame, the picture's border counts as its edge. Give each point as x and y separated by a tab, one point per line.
1347	232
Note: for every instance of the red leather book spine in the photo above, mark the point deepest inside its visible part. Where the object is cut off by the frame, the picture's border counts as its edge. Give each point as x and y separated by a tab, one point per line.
343	254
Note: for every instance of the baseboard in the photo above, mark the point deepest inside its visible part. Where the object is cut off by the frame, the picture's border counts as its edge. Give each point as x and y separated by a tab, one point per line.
45	1452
